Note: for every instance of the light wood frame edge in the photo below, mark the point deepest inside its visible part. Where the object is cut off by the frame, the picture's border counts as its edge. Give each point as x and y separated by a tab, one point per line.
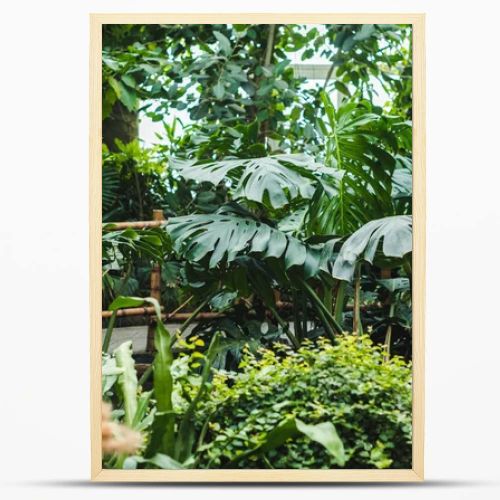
257	476
419	243
95	226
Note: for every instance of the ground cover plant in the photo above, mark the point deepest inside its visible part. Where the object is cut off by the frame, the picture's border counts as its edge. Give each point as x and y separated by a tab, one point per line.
287	245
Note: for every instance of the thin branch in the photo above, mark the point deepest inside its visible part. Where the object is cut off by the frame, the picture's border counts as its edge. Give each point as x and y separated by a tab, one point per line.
270	45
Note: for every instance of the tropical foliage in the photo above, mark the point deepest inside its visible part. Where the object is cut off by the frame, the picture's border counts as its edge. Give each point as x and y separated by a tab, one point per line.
323	383
257	418
288	207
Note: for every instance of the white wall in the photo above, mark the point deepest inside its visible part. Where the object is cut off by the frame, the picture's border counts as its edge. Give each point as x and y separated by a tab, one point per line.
43	249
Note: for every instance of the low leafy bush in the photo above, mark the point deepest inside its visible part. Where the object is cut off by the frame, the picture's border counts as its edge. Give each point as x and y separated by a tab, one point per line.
348	384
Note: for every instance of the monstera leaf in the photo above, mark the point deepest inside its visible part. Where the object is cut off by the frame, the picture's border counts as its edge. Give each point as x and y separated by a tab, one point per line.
230	233
225	236
273	180
396	233
374	182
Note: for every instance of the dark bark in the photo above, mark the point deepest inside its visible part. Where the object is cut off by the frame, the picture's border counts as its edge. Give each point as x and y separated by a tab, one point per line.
271	35
121	124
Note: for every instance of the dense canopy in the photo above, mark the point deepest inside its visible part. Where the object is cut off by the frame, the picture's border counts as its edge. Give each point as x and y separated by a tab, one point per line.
282	164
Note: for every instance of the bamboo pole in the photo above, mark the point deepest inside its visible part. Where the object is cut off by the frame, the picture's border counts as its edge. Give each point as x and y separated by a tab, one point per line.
385	273
182	316
150	311
155	288
141	224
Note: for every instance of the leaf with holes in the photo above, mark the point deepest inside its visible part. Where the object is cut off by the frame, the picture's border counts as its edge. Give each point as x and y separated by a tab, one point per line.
395	233
225	236
274	181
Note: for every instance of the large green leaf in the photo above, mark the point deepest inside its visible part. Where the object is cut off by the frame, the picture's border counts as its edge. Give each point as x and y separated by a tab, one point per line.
110	373
326	435
402	183
395	284
363	189
226	236
224	43
159	460
126	94
163	461
323	433
395	233
129	244
163	424
122	302
127	380
273	180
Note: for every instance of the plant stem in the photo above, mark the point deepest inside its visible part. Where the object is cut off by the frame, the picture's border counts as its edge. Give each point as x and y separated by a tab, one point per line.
328	297
332	120
339	302
304	313
285	327
191	318
329	74
145	376
357	327
264	126
125	279
149	370
109	332
111	325
341	190
328	328
139	195
186	432
270	45
112	321
407	266
330	320
120	460
388	334
296	320
204	430
177	309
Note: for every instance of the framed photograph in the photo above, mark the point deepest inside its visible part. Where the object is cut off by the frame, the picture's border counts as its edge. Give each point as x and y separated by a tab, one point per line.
257	247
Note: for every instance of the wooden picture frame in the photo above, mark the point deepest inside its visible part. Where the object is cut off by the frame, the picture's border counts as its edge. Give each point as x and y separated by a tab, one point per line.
419	247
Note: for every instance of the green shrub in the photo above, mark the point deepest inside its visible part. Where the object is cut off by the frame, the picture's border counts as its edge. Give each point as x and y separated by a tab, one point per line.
349	384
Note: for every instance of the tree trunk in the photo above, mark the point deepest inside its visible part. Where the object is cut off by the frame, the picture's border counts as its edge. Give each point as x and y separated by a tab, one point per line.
268	56
121	124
